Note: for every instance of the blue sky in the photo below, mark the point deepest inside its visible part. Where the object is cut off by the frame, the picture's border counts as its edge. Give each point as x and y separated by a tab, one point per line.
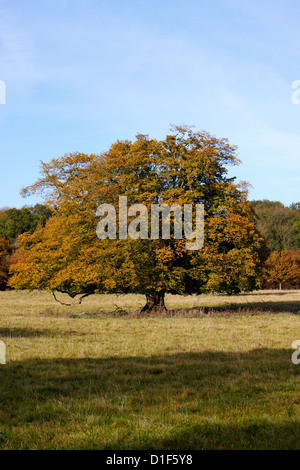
81	74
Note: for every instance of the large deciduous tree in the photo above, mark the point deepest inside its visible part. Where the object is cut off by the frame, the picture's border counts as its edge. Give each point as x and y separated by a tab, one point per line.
186	167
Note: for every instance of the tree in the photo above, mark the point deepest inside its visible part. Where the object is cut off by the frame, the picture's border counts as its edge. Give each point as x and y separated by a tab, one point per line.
14	222
185	168
281	268
295	221
279	225
5	252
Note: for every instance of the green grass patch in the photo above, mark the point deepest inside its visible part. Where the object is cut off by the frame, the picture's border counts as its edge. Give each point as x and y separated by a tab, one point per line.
78	379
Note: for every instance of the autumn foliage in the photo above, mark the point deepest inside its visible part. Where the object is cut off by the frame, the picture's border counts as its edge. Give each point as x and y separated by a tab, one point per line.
281	268
187	167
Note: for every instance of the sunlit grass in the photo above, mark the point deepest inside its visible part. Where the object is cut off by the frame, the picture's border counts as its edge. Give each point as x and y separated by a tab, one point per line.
82	377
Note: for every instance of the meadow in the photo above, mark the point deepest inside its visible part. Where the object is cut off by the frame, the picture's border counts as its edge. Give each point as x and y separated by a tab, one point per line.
100	376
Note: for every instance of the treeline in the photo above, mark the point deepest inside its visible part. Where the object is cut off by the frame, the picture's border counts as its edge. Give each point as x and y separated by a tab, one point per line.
280	226
277	223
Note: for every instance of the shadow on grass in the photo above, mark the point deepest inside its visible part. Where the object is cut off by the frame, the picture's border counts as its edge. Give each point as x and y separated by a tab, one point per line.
277	306
208	400
272	293
15	332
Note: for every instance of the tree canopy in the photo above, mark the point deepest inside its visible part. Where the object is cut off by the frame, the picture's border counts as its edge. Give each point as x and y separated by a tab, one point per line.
14	222
280	225
187	167
281	268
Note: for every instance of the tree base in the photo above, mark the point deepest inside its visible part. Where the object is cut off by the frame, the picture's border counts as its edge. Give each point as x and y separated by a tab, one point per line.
155	303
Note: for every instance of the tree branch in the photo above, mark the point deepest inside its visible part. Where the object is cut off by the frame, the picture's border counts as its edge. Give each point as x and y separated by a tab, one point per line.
69	305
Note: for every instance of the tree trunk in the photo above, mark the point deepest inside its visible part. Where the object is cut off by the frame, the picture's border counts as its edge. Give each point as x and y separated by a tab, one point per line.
280	286
155	302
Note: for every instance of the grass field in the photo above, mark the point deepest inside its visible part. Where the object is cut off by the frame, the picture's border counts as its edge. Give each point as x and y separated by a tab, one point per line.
96	376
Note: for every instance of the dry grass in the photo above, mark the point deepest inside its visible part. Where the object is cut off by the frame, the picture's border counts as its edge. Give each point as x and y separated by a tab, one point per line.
96	376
